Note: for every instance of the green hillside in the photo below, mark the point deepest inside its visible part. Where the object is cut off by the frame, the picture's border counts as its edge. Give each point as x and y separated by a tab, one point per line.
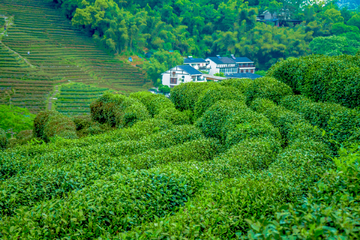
58	53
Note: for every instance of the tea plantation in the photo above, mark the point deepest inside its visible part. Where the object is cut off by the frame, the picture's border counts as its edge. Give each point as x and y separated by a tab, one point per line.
42	49
239	159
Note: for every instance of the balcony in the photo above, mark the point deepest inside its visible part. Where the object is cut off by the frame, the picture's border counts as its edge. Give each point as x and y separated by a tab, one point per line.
246	65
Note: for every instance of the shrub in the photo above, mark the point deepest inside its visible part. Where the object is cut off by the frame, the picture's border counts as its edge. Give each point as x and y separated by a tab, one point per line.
241	84
82	122
40	121
252	154
210	96
213	119
174	116
159	103
144	97
185	95
261	105
60	126
103	110
322	78
267	87
3	139
132	114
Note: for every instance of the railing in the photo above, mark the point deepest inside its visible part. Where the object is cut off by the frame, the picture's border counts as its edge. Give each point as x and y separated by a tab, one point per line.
246	65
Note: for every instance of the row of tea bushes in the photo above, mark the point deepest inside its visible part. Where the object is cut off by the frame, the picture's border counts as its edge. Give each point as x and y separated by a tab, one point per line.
339	122
322	78
82	172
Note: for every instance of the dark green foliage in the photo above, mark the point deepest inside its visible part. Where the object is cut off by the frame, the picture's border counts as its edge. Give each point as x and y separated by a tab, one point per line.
40	121
211	96
103	109
185	96
241	84
322	78
212	121
59	126
3	139
82	122
174	116
133	113
267	87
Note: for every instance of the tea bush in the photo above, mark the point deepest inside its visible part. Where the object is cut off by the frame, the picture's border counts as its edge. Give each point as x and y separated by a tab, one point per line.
3	139
40	121
210	96
59	126
241	84
159	103
174	116
213	119
185	96
267	87
322	78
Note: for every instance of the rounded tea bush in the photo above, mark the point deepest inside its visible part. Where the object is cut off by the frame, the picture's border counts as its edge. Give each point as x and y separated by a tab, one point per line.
159	103
60	126
3	139
174	116
261	105
103	109
212	121
132	114
40	121
82	122
185	95
210	96
241	84
144	97
267	87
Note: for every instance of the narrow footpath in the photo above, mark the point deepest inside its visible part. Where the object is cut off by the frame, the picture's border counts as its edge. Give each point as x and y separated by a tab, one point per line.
52	97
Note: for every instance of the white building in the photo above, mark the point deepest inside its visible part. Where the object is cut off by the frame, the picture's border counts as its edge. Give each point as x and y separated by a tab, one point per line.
181	74
230	65
197	63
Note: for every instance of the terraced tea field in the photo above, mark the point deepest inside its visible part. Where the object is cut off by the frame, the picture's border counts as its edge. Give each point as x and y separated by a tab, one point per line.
42	49
75	99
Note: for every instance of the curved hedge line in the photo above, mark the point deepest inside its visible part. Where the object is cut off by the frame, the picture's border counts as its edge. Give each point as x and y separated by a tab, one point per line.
267	87
210	96
241	84
174	116
61	126
185	95
322	78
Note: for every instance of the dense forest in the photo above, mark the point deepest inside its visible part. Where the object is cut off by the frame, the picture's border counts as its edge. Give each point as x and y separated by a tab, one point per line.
203	28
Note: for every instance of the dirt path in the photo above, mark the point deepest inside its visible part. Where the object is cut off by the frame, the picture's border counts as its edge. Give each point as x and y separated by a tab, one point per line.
52	97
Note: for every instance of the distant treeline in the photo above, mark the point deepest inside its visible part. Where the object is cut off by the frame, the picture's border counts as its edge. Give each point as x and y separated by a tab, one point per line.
212	27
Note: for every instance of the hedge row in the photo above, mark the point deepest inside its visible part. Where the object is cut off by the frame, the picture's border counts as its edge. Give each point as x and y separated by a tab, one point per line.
339	122
56	173
202	149
222	208
322	78
241	84
155	103
292	125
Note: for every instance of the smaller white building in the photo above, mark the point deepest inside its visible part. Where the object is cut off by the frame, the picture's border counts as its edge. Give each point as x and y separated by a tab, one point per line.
197	63
181	74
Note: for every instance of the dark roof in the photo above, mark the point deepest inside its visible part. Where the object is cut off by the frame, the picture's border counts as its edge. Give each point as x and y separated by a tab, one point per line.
242	60
244	75
189	69
194	60
222	60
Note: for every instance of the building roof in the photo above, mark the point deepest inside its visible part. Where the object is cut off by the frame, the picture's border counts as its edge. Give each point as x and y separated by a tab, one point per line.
222	60
190	70
244	75
194	60
242	60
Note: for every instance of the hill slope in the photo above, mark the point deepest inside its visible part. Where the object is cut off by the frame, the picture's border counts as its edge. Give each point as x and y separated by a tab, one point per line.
58	53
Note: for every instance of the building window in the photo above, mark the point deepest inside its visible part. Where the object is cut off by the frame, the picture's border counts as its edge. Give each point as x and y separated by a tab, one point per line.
252	70
173	80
